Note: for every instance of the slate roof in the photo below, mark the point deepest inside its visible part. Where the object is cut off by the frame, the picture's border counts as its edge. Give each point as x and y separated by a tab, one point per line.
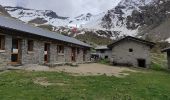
151	44
104	47
166	49
10	23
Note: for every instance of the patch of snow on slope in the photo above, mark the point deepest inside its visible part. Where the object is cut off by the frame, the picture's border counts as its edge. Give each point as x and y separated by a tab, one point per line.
168	40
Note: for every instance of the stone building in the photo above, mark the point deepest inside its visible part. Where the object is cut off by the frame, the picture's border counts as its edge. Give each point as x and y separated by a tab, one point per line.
132	52
21	43
103	52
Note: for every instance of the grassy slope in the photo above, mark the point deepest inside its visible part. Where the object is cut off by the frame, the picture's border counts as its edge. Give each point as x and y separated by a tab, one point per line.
94	39
152	85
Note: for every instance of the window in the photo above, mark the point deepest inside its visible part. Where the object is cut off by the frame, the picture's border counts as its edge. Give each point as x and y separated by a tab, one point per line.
60	49
30	45
102	51
106	57
78	50
130	50
2	42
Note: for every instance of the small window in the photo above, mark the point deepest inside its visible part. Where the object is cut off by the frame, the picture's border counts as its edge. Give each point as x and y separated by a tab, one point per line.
130	50
2	42
78	50
106	57
60	49
30	45
102	51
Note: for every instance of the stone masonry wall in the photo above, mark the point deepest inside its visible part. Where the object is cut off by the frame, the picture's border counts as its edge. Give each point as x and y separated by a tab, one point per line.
32	57
5	55
79	57
67	53
37	55
121	54
87	56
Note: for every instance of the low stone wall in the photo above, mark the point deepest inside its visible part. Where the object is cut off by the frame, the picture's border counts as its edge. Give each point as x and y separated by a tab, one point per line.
3	61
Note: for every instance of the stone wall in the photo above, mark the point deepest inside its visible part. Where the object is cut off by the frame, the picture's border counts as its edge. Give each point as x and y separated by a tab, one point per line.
60	57
121	54
5	55
67	53
79	57
37	55
32	57
87	56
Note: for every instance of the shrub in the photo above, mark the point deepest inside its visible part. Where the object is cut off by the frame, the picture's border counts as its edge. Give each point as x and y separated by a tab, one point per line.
104	61
157	67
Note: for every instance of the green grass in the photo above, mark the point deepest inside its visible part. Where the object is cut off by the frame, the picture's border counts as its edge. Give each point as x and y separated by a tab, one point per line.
150	85
104	61
159	61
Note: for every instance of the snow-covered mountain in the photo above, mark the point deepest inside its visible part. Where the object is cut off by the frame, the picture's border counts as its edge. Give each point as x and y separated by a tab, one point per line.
116	19
47	17
129	17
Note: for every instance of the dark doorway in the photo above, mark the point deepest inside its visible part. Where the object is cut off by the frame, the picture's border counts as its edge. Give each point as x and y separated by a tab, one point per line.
73	55
142	63
46	52
106	57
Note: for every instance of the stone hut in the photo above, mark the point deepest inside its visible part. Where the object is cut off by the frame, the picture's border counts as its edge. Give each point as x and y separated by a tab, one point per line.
21	43
131	51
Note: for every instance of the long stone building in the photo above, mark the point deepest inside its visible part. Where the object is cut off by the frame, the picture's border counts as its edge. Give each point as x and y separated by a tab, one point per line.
21	43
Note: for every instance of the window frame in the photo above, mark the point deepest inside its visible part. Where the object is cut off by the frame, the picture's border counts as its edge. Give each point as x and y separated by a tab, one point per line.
30	45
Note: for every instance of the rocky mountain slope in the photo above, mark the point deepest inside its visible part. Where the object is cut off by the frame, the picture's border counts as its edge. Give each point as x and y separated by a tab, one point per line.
47	17
143	18
3	11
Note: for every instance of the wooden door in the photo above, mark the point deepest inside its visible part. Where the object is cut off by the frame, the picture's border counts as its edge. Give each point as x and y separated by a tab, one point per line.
15	51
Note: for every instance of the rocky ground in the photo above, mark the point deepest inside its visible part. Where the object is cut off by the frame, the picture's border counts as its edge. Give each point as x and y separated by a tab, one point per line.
85	70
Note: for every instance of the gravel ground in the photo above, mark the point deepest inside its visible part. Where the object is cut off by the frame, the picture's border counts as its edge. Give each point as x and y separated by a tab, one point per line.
84	69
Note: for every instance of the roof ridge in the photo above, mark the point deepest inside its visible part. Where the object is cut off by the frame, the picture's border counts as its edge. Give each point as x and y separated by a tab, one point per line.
11	23
133	38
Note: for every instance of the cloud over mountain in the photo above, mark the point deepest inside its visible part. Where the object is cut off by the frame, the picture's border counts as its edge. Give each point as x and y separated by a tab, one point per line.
65	7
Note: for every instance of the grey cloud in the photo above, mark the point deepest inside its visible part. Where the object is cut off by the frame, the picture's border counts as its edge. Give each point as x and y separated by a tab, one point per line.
65	7
21	3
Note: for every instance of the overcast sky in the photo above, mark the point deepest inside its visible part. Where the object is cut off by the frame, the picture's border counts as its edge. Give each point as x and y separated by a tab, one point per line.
68	8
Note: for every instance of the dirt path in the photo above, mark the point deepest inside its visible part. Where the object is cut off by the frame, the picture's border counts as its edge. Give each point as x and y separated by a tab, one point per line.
85	69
